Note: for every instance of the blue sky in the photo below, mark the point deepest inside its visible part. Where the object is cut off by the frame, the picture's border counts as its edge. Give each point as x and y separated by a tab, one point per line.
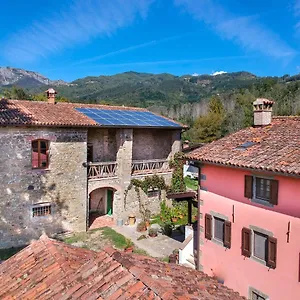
69	39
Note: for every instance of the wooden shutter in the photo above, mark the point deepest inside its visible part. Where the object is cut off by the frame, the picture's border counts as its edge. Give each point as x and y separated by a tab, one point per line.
248	186
246	242
274	192
272	252
208	226
227	234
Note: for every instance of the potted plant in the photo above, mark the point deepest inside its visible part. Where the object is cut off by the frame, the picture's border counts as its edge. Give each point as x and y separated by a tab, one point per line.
141	226
152	232
167	229
174	217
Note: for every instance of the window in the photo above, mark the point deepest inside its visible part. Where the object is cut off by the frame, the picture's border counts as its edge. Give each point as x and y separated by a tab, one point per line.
40	154
40	210
256	296
153	193
218	230
261	190
219	226
259	246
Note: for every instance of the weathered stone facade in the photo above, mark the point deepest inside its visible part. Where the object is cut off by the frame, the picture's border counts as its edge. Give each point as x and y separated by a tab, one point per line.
63	184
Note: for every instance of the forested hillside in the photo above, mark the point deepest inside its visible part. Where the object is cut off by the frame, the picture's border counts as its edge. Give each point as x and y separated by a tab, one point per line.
212	105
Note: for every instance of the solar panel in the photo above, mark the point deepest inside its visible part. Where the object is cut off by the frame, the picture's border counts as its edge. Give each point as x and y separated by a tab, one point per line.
126	118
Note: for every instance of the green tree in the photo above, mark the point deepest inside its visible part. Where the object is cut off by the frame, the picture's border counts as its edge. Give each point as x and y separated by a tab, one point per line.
209	127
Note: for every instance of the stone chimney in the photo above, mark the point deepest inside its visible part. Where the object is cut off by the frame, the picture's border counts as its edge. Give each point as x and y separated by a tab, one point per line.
262	112
51	95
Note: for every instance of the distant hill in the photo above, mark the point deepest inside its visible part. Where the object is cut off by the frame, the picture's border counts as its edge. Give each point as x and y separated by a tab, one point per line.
144	89
181	97
25	79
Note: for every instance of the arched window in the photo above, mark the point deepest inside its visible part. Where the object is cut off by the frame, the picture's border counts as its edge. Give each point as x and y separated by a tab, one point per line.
40	154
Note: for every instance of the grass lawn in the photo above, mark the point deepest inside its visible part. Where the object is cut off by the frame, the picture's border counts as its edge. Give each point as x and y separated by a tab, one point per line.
117	239
98	239
191	183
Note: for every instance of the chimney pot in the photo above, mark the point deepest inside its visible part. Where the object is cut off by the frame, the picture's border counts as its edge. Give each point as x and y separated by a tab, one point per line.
51	93
262	112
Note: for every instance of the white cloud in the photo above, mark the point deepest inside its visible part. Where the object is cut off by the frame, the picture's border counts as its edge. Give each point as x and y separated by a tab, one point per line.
81	22
218	73
195	74
128	49
245	31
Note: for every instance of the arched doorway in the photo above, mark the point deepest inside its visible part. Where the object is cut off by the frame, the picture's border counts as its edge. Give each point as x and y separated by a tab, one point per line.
101	202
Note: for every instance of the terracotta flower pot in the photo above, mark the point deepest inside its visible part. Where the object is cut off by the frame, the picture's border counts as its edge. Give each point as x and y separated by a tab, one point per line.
174	219
153	235
128	249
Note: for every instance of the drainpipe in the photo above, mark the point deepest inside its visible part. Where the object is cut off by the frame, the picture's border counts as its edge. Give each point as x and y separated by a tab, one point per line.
198	218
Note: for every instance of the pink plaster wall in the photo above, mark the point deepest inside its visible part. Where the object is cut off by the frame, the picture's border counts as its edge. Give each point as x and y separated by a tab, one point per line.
238	272
229	182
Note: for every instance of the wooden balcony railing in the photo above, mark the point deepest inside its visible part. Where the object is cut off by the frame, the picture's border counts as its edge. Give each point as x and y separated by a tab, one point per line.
99	170
150	166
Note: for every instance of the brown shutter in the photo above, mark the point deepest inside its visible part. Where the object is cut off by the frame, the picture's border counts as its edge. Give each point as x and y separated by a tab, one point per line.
208	226
274	192
246	242
248	186
272	252
227	234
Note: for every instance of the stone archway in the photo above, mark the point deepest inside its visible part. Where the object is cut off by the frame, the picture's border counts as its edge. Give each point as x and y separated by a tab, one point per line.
101	207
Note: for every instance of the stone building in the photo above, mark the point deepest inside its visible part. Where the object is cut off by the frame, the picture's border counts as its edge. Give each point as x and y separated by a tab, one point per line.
62	162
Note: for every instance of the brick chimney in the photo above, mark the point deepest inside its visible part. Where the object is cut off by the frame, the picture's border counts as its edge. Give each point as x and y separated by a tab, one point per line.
51	95
262	112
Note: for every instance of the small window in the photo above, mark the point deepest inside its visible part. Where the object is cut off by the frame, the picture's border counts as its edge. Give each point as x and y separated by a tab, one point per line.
219	230
256	296
219	226
41	210
260	246
153	193
262	188
40	154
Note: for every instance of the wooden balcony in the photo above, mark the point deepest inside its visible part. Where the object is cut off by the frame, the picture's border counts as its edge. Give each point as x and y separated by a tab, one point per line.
140	167
98	170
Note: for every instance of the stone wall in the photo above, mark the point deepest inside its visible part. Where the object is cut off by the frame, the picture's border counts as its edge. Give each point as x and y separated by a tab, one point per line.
151	144
63	184
132	205
104	143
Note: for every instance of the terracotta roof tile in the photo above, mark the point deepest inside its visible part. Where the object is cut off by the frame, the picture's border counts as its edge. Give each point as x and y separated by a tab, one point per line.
37	113
275	148
48	269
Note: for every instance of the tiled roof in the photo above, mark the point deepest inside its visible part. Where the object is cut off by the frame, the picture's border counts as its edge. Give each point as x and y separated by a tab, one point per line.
37	113
48	269
274	148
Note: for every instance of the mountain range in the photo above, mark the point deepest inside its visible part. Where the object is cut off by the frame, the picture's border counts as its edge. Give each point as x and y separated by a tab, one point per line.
131	87
176	96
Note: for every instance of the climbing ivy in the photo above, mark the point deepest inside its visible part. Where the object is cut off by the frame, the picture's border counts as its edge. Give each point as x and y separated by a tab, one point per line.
158	182
149	182
177	163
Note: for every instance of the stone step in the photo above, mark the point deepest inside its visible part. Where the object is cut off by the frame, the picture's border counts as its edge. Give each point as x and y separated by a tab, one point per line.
191	260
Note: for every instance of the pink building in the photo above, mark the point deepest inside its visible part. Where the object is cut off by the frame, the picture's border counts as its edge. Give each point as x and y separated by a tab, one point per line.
250	207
